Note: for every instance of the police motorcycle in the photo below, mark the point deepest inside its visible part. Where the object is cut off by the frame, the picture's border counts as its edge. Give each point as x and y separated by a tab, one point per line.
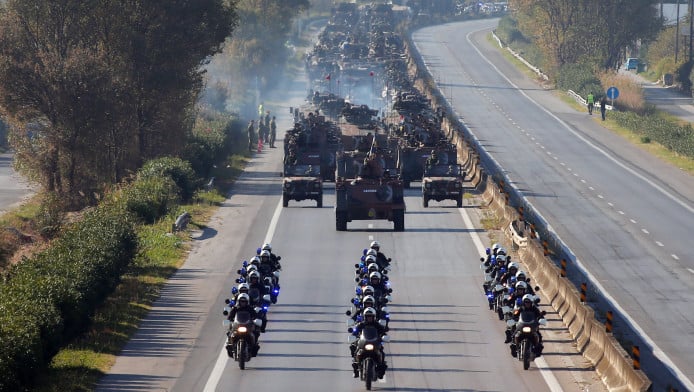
269	271
369	353
527	329
241	342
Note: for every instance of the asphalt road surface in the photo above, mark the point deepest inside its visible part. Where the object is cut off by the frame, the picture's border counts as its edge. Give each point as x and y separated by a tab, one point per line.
627	216
13	189
443	337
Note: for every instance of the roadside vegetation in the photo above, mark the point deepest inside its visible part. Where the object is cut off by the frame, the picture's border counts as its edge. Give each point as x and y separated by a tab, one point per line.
128	139
580	51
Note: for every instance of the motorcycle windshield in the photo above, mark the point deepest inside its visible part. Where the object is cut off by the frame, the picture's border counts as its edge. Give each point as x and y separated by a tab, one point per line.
370	333
526	318
242	317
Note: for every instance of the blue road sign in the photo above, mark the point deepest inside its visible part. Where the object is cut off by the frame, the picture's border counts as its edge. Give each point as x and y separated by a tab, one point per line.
612	93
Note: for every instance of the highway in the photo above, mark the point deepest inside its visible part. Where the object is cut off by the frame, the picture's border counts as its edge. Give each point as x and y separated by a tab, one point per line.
443	337
13	189
627	216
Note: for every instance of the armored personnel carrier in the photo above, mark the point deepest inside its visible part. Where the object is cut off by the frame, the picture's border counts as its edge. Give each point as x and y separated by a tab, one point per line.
302	182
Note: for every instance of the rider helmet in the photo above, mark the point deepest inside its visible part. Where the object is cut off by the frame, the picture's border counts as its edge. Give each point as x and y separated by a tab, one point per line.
368	290
254	275
370	259
243	288
243	297
372	267
495	247
375	275
369	301
375	245
255	260
501	251
521	286
371	252
520	275
369	312
500	259
264	253
251	267
266	247
512	265
527	299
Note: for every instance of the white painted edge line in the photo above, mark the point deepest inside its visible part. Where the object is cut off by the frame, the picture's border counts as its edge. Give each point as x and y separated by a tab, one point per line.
542	366
220	364
657	351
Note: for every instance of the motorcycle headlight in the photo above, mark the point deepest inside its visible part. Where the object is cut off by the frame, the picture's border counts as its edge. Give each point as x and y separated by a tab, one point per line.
242	329
527	329
369	347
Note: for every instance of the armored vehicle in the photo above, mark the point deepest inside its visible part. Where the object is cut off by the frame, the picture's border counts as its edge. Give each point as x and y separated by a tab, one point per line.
302	182
442	182
373	194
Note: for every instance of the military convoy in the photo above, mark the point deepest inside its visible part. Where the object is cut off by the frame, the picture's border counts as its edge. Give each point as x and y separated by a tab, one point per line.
372	160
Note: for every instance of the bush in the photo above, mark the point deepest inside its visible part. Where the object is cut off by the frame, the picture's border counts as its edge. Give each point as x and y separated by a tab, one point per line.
579	78
175	168
683	74
673	136
48	300
150	198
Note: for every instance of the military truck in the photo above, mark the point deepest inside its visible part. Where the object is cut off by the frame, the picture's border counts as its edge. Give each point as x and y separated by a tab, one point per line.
443	182
412	159
302	182
372	194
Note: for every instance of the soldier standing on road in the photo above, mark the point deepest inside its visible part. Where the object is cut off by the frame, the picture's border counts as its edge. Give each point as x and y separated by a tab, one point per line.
591	102
273	132
251	136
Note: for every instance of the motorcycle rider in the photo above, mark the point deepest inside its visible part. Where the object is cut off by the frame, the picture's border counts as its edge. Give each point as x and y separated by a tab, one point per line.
511	270
519	290
528	305
255	285
380	287
381	259
243	303
273	257
369	320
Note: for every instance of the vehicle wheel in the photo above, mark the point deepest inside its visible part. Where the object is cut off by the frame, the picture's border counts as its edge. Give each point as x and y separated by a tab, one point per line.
500	313
319	202
399	220
285	201
459	201
241	351
525	349
340	221
425	202
368	372
491	305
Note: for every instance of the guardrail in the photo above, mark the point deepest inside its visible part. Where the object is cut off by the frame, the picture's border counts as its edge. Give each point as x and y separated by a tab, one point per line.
600	348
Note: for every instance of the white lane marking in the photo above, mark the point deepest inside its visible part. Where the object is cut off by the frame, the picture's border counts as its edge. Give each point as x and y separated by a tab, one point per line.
621	212
610	204
370	226
644	231
690	270
659	243
547	374
632	221
658	352
583	181
600	196
591	188
675	257
222	358
371	238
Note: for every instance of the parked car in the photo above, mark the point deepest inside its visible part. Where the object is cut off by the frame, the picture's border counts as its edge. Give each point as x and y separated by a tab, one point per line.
632	63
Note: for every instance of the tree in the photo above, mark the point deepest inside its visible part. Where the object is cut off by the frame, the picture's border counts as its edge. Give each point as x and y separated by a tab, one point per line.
95	88
589	31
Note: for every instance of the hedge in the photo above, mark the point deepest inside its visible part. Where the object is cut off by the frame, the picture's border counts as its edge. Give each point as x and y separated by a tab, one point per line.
48	300
673	136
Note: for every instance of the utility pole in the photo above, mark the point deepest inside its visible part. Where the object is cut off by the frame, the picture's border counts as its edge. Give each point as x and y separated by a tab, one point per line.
691	27
677	32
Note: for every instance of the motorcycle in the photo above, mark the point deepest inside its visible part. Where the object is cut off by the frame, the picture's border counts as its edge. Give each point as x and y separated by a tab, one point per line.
369	353
527	328
241	338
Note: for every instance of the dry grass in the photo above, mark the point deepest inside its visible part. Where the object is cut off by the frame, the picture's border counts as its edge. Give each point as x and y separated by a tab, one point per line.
630	92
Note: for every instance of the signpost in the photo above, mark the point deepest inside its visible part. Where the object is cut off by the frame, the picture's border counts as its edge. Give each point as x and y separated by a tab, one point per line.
612	93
